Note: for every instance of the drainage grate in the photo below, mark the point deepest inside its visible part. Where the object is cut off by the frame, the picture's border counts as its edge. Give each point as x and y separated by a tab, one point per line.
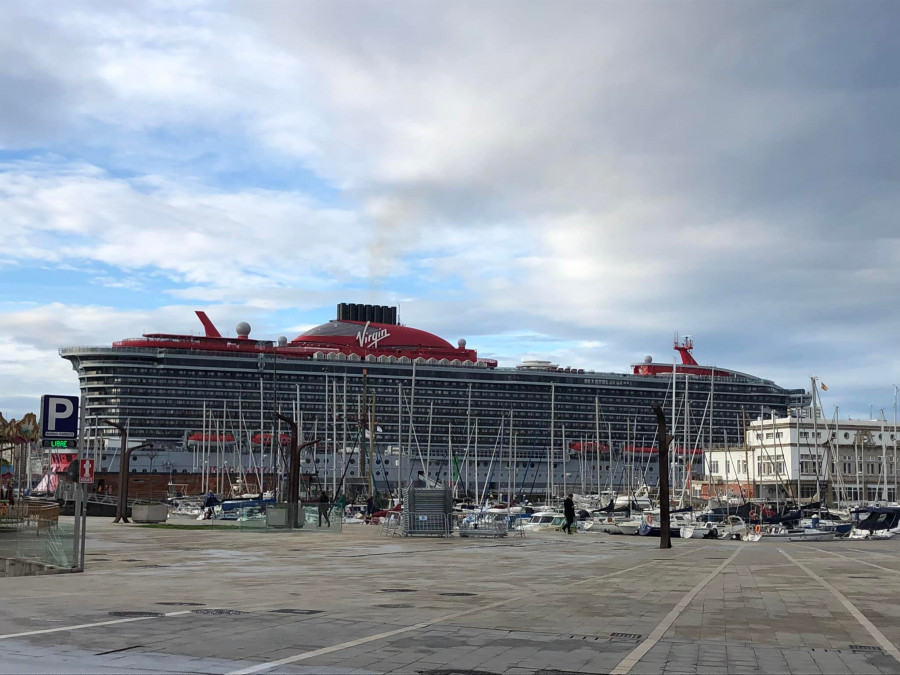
626	636
396	605
182	604
129	615
296	611
218	612
865	648
458	595
398	590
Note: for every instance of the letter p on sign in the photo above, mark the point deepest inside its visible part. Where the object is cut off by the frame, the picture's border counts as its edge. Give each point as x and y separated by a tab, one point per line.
60	409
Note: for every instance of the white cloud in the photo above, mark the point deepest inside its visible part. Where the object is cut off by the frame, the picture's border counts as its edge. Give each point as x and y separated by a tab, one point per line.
191	232
603	173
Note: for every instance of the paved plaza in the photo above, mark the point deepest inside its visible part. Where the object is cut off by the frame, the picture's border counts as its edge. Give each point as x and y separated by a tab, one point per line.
161	600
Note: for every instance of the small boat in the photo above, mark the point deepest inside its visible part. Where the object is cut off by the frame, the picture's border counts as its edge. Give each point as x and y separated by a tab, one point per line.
810	534
840	528
718	526
630	526
880	523
650	527
608	524
778	531
542	521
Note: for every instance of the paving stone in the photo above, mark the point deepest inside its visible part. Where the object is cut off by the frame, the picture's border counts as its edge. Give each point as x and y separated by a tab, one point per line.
763	614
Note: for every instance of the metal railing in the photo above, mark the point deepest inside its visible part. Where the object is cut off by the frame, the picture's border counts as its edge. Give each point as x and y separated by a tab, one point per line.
426	524
484	525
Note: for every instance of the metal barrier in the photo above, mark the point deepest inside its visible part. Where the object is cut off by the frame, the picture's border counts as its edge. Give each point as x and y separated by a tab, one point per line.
427	512
483	525
390	526
427	524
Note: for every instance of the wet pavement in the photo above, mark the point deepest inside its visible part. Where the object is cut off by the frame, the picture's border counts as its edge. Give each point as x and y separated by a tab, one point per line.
222	601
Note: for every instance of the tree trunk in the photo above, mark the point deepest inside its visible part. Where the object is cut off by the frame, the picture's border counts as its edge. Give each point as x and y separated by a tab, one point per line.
665	536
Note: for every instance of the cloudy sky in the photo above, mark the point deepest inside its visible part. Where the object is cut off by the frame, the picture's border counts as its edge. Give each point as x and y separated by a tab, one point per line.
564	180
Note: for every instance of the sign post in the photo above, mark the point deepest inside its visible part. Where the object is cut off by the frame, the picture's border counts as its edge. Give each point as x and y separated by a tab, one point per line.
60	428
82	491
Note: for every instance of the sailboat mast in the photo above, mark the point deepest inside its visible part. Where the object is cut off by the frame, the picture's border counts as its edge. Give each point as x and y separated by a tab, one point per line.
597	441
894	437
344	430
815	413
450	456
334	408
627	460
552	441
671	466
400	437
363	421
410	426
686	438
428	441
468	437
372	446
712	413
884	492
477	493
509	459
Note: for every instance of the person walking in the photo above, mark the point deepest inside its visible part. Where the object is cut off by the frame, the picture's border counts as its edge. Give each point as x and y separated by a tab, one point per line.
324	507
569	512
370	508
209	505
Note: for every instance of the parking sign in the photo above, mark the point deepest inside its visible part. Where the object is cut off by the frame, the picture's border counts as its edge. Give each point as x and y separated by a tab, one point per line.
59	417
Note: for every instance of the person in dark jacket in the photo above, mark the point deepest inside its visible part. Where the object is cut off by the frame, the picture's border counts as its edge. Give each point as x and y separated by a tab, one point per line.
370	508
324	507
569	512
209	505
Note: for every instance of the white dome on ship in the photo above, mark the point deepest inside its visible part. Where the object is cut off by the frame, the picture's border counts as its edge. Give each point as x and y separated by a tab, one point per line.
242	329
282	341
648	359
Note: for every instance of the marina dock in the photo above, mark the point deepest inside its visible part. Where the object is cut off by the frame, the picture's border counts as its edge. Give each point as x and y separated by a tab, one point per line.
159	600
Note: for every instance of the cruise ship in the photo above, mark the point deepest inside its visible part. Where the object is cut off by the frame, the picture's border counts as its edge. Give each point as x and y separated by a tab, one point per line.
390	404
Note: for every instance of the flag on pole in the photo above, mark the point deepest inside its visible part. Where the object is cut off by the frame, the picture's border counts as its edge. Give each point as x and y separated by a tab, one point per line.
824	388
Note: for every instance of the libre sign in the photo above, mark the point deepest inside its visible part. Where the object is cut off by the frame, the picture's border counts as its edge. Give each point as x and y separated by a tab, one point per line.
86	474
59	417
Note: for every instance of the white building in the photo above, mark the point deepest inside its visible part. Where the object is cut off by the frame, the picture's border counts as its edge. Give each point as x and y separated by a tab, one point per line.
843	460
